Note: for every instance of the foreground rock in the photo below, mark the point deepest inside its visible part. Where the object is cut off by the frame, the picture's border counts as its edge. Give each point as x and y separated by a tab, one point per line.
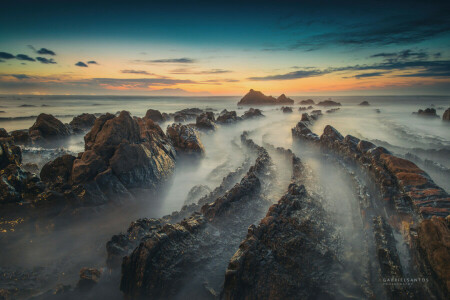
446	115
154	115
257	98
82	122
47	129
329	103
428	112
185	139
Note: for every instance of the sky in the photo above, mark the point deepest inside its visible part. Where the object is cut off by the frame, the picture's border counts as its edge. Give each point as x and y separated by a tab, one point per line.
197	48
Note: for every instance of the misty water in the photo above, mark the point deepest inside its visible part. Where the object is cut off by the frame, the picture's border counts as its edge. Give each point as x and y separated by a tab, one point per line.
61	253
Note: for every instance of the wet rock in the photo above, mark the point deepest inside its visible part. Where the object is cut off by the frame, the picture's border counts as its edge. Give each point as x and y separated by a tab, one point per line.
58	170
302	108
228	117
364	103
257	98
82	122
154	115
206	121
286	109
3	133
196	193
185	139
287	256
89	277
31	167
428	112
252	113
47	128
301	131
187	114
377	111
21	137
87	167
446	115
305	118
364	146
307	102
330	135
329	103
89	138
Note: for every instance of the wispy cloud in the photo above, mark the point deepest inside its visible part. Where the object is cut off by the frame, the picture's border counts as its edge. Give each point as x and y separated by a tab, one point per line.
141	72
45	51
190	71
24	57
182	60
45	60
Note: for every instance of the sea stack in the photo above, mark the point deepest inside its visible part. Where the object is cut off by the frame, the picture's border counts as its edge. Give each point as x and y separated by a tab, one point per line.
258	98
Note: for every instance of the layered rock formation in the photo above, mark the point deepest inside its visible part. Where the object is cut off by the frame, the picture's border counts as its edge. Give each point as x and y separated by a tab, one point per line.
252	113
185	139
206	121
257	98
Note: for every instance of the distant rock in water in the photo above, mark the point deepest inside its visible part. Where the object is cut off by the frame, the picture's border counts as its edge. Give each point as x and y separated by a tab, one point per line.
258	98
364	103
82	122
206	121
329	103
27	105
156	116
252	113
428	112
228	117
185	139
307	102
446	115
286	109
47	128
187	114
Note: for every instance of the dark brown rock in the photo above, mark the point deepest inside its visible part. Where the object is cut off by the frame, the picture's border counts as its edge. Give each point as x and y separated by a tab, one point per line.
428	112
58	170
307	102
446	115
252	113
257	98
47	128
154	115
82	122
282	99
228	117
328	103
185	139
286	109
206	121
3	133
364	103
21	137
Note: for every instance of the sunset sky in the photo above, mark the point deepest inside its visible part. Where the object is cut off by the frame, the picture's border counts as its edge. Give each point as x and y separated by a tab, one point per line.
225	48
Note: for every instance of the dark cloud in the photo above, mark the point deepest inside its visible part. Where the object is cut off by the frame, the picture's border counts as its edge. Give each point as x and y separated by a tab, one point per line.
6	55
133	83
403	55
292	75
20	76
45	51
189	71
136	72
1	60
45	60
81	64
373	74
183	60
92	62
24	57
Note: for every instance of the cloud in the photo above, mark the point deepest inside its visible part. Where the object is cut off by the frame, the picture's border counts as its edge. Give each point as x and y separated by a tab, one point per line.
183	60
17	76
402	55
24	57
81	64
292	75
45	51
92	62
189	71
373	74
136	72
45	60
5	55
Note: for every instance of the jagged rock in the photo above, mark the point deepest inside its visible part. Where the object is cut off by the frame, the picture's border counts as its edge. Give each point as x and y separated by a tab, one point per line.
330	134
302	131
329	103
196	193
82	122
206	121
446	115
154	115
228	117
257	98
47	128
428	112
58	170
305	118
3	133
21	137
31	167
89	138
187	114
89	277
286	109
185	139
364	103
287	256
252	113
307	102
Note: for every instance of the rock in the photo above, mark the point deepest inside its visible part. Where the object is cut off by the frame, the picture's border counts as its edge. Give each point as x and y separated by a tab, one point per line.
3	133
58	170
89	138
330	135
196	193
47	128
89	277
377	111
206	121
428	112
154	115
446	115
305	118
185	139
82	122
87	167
329	103
364	103
252	113
187	114
21	137
286	109
282	99
301	131
31	167
332	110
257	98
434	243
316	112
302	108
307	102
228	117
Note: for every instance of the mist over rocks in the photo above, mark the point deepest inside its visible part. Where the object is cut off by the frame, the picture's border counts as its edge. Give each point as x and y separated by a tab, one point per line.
328	102
185	139
307	102
427	112
47	128
258	98
82	122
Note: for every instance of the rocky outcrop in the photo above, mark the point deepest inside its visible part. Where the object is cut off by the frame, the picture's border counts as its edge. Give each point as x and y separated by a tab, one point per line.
257	98
58	171
301	131
364	103
206	121
154	115
228	117
252	113
286	109
47	129
3	133
89	277
446	115
307	102
329	103
82	122
196	193
187	114
329	111
428	112
185	139
21	137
